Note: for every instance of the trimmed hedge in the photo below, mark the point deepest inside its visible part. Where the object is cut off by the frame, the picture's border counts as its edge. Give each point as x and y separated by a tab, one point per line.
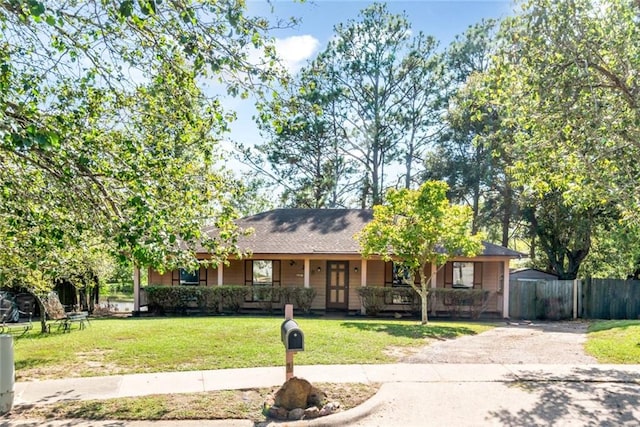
376	299
271	298
459	301
217	299
207	299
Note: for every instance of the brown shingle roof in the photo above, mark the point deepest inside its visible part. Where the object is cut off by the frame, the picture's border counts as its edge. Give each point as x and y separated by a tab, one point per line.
305	231
317	231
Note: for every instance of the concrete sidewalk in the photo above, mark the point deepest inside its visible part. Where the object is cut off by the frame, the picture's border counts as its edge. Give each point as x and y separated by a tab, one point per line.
402	383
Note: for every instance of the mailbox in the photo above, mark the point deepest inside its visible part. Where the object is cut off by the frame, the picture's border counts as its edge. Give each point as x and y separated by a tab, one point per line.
291	335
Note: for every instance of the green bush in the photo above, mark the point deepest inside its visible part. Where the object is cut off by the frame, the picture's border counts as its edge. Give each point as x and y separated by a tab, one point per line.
459	301
216	299
377	298
303	298
373	298
208	299
232	297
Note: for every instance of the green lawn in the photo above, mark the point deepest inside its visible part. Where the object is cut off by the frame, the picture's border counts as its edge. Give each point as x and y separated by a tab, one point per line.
614	341
133	345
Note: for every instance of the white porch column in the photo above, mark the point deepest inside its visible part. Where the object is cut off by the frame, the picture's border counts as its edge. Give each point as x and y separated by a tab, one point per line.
307	273
505	289
136	288
220	274
363	281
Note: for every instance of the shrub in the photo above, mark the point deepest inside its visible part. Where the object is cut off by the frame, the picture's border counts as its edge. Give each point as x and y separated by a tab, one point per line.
172	298
373	298
208	299
232	297
457	300
304	298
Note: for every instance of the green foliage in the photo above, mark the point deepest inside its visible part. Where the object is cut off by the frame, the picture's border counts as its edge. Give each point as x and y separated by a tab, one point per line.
419	228
373	299
460	302
367	100
145	345
107	138
214	299
614	341
564	78
376	299
303	298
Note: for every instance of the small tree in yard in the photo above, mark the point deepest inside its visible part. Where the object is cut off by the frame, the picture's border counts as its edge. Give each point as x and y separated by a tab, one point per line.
418	228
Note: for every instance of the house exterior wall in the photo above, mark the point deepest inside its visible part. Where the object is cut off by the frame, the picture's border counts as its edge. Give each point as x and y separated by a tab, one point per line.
292	275
156	278
234	273
375	273
317	281
355	281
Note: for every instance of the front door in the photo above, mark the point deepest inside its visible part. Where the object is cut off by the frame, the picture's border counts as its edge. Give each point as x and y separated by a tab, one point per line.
337	285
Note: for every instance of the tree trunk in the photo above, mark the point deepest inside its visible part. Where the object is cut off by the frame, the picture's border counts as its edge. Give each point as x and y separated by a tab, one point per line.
506	214
423	296
43	312
424	287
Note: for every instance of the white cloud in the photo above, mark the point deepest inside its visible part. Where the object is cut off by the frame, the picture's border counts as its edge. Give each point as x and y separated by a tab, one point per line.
295	50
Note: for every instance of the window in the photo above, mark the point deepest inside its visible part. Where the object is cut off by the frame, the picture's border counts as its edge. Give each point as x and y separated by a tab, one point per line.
189	277
262	275
398	276
463	274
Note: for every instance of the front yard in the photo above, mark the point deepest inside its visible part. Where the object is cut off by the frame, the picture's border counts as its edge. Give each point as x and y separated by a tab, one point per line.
134	345
614	341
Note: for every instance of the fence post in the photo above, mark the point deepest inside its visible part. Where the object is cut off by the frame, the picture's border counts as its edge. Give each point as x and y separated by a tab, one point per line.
575	299
7	373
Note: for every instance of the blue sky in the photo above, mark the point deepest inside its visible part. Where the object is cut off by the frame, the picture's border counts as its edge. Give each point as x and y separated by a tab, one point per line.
442	19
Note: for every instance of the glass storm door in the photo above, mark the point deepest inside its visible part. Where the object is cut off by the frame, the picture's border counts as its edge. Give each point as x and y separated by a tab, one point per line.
337	285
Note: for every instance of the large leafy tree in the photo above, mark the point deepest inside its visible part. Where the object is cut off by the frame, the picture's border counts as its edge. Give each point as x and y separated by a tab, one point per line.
566	78
106	133
418	229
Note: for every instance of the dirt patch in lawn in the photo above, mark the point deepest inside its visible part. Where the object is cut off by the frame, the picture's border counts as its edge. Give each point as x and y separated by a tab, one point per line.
215	405
513	343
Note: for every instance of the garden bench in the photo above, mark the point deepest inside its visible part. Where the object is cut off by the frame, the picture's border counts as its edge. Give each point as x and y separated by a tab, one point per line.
55	311
8	326
10	316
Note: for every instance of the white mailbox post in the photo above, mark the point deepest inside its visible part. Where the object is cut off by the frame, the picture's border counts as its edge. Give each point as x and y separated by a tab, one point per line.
7	373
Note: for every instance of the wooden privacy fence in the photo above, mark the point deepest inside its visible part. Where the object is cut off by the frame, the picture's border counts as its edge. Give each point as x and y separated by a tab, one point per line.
541	299
610	299
564	299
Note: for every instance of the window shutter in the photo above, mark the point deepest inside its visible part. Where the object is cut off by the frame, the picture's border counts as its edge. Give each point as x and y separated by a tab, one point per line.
388	273
248	272
477	275
448	275
175	277
202	276
275	271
